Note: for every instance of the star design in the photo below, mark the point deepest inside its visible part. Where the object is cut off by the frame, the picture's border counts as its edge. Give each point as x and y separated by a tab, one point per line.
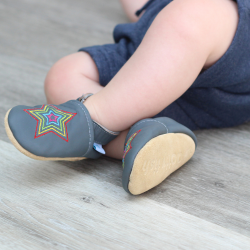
51	119
128	146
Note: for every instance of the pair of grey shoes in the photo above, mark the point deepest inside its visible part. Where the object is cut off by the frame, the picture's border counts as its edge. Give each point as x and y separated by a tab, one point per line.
154	148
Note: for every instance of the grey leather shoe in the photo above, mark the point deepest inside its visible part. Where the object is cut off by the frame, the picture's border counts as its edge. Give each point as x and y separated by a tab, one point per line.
154	148
56	132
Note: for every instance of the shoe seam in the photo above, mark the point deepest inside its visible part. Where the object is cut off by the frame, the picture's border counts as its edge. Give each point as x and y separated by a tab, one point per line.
150	121
88	127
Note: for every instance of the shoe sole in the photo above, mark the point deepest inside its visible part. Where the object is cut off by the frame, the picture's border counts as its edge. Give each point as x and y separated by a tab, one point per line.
160	157
27	153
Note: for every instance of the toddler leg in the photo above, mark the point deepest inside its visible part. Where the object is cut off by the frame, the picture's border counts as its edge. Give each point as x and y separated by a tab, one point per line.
170	57
176	47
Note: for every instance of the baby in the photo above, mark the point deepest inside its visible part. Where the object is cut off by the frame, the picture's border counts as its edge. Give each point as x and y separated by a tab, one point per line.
181	65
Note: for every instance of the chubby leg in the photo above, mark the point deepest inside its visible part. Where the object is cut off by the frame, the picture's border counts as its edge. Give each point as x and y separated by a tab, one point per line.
181	41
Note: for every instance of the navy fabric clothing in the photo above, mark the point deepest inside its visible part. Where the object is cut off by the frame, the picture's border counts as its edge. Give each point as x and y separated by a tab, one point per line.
220	95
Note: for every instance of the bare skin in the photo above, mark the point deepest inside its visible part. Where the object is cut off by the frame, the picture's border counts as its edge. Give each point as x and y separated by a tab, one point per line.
183	29
131	6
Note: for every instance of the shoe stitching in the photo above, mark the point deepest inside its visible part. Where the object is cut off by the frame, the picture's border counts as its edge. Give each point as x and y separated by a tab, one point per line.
88	126
150	121
163	125
139	123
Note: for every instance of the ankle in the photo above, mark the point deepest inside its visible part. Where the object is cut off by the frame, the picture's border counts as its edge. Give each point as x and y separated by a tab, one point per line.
97	115
115	148
92	110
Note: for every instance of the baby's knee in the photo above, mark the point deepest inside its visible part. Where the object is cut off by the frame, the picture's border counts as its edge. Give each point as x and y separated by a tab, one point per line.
64	73
55	79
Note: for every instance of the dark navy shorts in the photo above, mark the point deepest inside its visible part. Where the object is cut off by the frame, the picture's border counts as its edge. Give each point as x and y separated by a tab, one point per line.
219	97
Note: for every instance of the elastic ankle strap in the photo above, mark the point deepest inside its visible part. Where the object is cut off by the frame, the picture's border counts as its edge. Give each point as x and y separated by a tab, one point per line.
103	134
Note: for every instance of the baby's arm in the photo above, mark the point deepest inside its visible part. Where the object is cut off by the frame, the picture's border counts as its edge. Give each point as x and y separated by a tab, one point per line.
131	6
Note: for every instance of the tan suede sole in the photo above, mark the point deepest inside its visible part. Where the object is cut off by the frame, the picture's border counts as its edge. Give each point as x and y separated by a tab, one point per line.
24	151
160	157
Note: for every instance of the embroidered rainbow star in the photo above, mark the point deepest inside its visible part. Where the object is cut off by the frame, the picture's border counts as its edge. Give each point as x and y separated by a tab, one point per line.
128	146
51	119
